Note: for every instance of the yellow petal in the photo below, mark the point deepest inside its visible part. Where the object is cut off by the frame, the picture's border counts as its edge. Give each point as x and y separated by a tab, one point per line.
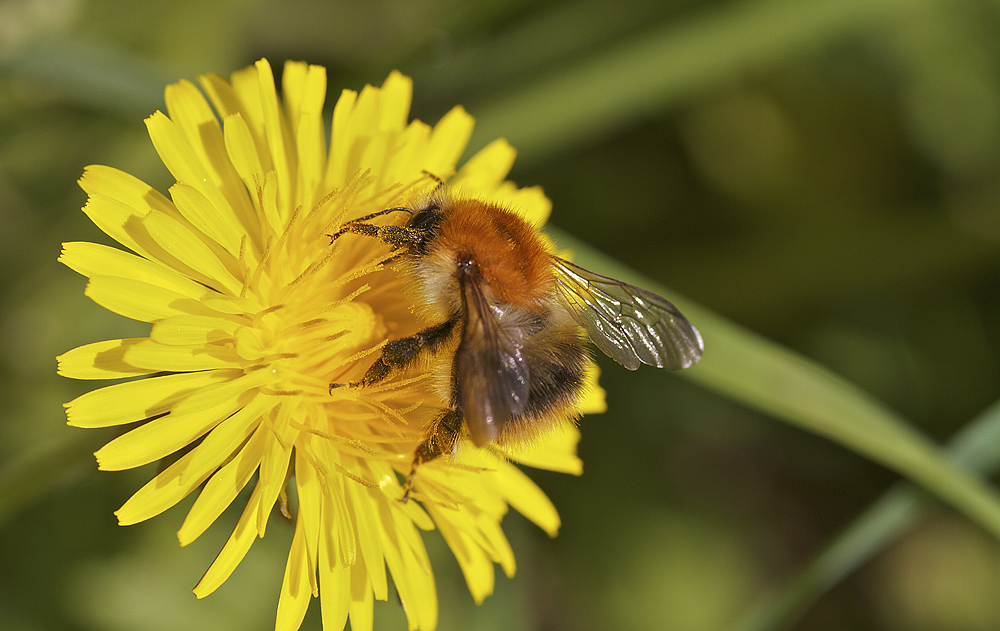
304	91
397	94
476	566
137	300
364	117
181	158
526	498
246	84
293	85
192	469
160	493
221	443
251	164
222	226
274	467
421	603
93	259
337	523
195	119
311	513
137	400
223	487
362	603
594	397
221	94
341	140
405	158
407	560
271	209
232	553
554	451
193	252
335	588
295	588
125	188
228	100
484	171
153	357
499	548
362	504
448	141
188	109
193	330
101	360
377	153
165	435
118	220
242	150
279	142
530	202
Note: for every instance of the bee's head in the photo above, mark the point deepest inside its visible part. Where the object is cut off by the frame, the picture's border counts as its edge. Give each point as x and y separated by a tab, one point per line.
424	219
423	224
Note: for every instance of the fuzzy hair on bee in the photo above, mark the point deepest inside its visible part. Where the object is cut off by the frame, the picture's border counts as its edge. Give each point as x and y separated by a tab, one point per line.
515	319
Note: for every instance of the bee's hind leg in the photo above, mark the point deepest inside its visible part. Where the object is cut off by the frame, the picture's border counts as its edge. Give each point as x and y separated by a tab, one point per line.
441	439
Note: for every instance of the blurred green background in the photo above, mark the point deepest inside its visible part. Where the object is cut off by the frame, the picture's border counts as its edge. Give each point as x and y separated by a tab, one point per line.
823	172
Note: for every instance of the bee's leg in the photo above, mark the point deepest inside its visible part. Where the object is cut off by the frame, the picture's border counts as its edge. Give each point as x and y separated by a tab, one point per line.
401	353
399	237
360	221
441	439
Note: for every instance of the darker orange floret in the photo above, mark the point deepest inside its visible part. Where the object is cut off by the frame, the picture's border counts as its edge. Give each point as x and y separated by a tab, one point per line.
511	257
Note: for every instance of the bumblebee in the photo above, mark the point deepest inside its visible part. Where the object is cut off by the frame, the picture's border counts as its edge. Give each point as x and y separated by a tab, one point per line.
521	317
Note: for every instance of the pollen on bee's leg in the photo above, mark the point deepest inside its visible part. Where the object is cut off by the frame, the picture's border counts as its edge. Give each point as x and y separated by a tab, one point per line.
442	438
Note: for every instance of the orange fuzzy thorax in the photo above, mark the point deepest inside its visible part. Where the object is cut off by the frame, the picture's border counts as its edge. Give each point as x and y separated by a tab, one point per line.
511	257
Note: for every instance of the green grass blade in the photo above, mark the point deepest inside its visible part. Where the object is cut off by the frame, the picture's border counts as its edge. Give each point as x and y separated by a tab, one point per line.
611	89
745	367
34	475
977	447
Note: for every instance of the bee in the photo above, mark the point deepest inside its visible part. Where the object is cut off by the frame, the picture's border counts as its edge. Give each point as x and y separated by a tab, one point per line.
520	316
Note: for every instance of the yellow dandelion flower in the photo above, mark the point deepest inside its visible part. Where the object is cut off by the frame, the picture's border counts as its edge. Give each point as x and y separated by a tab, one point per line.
254	313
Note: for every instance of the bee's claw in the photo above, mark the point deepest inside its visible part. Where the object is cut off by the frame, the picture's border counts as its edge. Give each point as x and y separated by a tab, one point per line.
344	229
350	384
409	484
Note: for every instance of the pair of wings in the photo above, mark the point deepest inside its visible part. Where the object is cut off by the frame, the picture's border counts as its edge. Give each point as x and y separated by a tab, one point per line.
629	324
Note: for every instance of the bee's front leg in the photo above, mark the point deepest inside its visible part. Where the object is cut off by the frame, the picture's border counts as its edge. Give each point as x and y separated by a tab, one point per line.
358	226
399	237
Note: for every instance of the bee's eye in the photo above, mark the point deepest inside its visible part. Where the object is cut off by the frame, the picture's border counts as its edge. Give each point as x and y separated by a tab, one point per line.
424	219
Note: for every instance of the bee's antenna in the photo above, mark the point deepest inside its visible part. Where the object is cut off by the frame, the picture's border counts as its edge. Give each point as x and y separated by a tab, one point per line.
440	182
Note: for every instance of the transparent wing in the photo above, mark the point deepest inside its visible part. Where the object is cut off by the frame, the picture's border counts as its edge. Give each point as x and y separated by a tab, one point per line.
491	373
629	324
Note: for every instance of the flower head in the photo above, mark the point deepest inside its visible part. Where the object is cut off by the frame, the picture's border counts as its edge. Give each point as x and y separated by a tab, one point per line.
254	314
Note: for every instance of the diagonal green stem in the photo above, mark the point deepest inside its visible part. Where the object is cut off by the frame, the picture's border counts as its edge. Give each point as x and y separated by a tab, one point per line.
977	447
